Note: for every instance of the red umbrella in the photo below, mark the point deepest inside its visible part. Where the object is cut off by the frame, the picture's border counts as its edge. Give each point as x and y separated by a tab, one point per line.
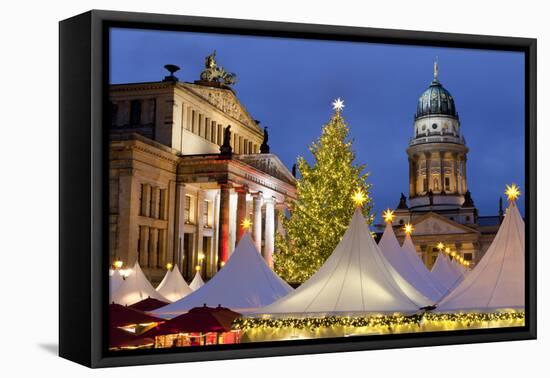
199	319
119	338
148	304
121	316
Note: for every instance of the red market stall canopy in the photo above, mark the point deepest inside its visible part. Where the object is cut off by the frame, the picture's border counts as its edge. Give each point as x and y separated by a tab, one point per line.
148	304
121	316
119	338
200	320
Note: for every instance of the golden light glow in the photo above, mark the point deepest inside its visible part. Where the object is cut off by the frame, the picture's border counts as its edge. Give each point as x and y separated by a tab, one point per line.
201	256
447	250
512	191
198	268
408	228
117	264
359	197
440	246
222	264
388	216
453	253
169	266
246	224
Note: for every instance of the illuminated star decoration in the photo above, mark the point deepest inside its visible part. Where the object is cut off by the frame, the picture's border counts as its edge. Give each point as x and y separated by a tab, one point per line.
359	198
388	216
440	246
512	191
117	264
169	266
408	228
338	105
246	224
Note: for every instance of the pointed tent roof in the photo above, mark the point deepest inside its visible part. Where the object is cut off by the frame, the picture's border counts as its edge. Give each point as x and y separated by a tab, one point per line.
356	278
197	282
115	280
135	288
498	280
173	287
407	263
245	282
446	273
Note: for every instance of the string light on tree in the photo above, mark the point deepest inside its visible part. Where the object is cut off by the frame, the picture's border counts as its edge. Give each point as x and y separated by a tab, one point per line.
326	199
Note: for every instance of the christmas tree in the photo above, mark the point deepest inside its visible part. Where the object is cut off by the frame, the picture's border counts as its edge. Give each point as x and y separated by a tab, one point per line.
324	206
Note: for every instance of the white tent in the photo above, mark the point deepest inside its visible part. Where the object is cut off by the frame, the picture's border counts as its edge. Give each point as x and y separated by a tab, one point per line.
197	282
135	288
446	272
407	263
173	287
497	282
115	280
245	282
356	278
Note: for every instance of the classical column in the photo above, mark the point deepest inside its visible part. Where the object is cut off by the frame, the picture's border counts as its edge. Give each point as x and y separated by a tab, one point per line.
412	181
145	200
144	246
257	231
155	200
162	248
153	247
455	172
464	184
179	224
223	238
200	228
442	170
429	170
241	210
269	231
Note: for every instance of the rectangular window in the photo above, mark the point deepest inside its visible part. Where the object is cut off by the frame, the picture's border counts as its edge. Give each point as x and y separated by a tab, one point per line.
425	184
114	114
213	132
201	130
207	128
135	112
447	184
468	256
187	213
193	123
220	137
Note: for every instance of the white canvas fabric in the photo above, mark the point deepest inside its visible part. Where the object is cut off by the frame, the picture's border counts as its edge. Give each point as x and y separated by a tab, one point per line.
115	280
135	288
197	282
356	278
407	263
173	287
446	272
244	283
497	282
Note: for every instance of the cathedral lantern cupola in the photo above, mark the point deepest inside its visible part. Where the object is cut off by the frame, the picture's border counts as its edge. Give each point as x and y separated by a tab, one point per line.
437	151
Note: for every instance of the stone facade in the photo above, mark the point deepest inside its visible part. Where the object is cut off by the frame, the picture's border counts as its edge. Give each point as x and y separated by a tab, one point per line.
173	197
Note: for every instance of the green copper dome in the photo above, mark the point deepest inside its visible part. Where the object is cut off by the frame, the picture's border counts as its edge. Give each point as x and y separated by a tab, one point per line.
436	100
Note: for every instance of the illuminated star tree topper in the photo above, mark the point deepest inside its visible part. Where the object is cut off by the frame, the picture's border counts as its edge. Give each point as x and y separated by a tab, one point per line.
338	105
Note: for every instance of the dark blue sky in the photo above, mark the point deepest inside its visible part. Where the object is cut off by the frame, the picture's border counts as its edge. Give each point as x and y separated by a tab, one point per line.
289	84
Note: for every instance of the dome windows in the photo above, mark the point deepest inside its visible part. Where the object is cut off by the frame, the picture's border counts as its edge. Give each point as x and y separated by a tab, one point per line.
434	126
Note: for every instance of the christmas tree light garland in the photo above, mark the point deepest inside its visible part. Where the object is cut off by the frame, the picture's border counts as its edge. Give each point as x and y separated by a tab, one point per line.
382	321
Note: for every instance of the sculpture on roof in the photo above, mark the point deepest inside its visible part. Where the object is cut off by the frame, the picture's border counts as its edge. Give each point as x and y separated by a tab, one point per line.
216	74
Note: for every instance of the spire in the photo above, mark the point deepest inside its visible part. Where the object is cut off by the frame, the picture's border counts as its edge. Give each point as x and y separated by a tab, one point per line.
436	69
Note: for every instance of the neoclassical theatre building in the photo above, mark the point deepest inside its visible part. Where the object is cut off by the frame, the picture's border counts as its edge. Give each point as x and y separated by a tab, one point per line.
440	206
188	165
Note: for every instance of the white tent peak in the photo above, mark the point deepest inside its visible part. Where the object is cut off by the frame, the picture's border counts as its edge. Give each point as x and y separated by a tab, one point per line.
173	286
497	282
197	282
356	278
407	263
446	273
135	288
245	282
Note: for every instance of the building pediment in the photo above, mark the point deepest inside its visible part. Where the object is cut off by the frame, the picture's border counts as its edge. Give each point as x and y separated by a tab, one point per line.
270	164
226	101
435	224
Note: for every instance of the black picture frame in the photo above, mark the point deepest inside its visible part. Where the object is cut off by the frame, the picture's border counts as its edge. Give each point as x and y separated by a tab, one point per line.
83	261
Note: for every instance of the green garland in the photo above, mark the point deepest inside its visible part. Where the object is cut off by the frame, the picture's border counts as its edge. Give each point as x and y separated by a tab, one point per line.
385	321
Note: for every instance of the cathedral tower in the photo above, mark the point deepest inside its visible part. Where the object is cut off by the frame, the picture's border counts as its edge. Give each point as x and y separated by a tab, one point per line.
437	153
